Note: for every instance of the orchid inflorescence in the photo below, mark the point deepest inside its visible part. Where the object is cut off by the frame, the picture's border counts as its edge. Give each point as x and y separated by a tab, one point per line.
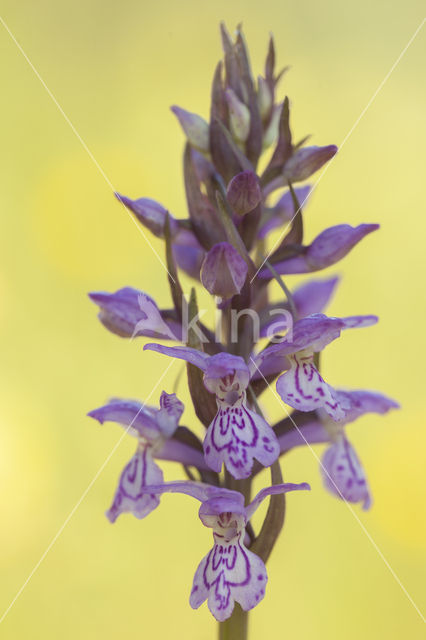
222	245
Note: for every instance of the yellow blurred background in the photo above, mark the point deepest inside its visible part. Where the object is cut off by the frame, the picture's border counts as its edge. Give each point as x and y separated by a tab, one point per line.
115	68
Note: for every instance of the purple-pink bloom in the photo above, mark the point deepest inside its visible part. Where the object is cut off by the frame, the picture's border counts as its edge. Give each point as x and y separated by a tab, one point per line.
302	385
152	427
329	247
230	572
223	271
129	313
237	435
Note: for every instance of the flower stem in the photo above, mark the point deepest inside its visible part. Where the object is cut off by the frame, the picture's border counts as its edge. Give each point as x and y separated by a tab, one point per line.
236	627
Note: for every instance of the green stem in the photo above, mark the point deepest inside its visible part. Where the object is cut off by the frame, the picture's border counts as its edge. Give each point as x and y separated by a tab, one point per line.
235	627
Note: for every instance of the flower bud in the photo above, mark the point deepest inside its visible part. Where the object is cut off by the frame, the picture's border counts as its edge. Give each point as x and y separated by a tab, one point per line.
224	271
195	128
150	213
271	133
244	193
307	161
264	97
239	116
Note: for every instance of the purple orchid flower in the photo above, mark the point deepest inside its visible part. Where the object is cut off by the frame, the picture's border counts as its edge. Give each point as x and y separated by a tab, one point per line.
230	572
187	251
237	434
302	386
153	429
129	313
329	247
341	469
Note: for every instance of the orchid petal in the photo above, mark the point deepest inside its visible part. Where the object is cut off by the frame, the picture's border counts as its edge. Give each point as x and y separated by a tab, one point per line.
359	402
235	437
229	573
274	490
129	312
188	252
195	357
176	451
133	416
343	474
313	296
226	364
198	490
303	387
312	433
329	247
283	211
169	414
130	495
314	332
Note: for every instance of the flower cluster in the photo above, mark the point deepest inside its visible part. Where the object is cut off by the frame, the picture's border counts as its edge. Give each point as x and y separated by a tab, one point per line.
221	245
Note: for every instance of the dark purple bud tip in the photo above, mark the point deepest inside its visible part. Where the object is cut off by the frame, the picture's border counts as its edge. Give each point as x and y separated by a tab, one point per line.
244	193
224	271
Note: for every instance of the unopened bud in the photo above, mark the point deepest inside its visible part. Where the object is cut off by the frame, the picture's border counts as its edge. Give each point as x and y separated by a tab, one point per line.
224	271
307	161
239	116
195	128
244	193
150	213
264	97
271	133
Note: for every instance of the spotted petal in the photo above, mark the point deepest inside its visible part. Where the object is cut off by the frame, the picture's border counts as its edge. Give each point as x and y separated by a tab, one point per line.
303	387
229	573
169	414
343	474
235	437
130	497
